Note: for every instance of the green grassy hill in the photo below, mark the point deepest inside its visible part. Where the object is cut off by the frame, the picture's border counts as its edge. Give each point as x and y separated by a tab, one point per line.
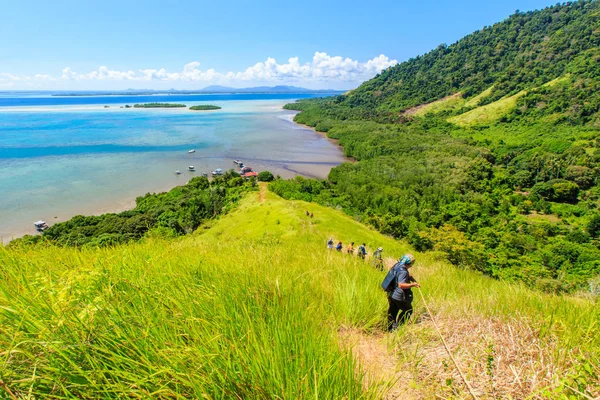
255	306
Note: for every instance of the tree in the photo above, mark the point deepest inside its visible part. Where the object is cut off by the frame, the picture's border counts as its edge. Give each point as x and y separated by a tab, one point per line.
265	176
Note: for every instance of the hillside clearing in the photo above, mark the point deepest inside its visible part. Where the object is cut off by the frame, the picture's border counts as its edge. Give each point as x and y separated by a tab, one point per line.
488	113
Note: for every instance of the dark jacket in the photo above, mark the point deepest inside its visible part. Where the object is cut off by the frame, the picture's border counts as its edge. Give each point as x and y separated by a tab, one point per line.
402	276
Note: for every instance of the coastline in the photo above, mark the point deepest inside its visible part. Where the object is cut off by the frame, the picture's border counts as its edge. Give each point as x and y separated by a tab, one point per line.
335	142
308	166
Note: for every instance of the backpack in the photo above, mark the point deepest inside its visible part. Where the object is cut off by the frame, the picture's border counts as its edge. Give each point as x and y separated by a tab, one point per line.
330	242
389	282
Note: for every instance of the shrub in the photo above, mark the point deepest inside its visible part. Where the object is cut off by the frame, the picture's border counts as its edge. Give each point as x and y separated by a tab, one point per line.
265	176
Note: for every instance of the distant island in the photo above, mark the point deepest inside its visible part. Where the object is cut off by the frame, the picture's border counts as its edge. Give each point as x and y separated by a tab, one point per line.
280	89
204	107
159	105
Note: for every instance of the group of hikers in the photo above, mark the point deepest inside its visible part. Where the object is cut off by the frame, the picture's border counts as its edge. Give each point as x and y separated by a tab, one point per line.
361	252
398	282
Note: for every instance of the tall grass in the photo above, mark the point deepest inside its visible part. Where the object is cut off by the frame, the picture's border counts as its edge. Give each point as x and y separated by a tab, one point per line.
249	308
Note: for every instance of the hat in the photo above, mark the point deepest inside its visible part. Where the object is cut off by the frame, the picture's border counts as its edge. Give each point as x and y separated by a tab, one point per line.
407	259
380	248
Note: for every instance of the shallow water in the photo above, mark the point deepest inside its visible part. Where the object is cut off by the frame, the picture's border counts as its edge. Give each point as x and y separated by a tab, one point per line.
60	161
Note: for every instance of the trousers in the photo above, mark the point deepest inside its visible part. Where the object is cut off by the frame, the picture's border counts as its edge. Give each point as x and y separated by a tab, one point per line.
398	313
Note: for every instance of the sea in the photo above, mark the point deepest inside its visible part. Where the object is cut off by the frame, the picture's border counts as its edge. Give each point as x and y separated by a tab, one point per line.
64	156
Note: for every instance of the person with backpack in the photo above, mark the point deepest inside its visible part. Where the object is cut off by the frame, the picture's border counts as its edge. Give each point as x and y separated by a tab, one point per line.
362	251
398	284
378	258
339	246
330	244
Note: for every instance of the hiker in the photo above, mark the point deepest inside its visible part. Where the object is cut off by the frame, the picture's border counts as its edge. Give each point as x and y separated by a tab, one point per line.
378	258
362	251
339	246
307	213
330	244
399	292
350	248
312	215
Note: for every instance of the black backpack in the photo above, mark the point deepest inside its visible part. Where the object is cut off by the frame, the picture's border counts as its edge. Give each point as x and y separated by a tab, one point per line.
389	282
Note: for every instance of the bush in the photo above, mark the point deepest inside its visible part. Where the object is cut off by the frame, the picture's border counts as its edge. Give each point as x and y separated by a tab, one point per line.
265	176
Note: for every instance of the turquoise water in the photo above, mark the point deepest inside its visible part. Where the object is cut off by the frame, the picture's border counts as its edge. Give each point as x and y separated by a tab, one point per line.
57	161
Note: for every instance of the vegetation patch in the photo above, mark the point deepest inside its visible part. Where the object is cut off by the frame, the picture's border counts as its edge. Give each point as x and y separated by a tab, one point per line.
488	113
159	105
204	107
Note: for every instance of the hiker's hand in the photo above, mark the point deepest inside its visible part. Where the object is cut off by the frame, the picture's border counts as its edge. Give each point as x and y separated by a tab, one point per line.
416	285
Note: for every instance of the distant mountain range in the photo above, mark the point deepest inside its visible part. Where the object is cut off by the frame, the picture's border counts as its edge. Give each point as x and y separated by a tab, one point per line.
208	89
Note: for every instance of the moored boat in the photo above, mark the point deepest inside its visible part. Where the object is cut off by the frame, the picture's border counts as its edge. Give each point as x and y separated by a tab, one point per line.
40	225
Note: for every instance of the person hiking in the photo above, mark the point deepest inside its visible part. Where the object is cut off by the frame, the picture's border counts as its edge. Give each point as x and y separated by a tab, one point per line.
362	251
330	244
399	292
339	246
378	258
350	248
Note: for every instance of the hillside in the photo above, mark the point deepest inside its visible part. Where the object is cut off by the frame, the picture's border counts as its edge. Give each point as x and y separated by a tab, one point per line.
255	306
486	149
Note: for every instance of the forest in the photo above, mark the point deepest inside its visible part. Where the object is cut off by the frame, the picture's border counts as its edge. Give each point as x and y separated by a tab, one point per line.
486	150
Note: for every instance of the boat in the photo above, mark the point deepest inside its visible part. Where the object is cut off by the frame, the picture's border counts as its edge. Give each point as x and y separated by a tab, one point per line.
241	165
191	168
177	172
245	169
192	151
238	162
217	172
40	225
204	174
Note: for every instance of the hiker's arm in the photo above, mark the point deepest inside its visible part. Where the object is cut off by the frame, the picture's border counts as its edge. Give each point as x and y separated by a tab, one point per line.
405	281
408	285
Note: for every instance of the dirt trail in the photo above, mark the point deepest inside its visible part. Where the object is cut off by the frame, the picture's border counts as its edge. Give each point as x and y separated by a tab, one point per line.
262	193
378	363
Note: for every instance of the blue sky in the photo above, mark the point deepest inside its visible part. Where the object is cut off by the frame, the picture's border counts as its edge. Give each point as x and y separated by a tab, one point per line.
191	44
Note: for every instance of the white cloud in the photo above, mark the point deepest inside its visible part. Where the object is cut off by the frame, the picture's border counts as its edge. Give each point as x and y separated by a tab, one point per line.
322	68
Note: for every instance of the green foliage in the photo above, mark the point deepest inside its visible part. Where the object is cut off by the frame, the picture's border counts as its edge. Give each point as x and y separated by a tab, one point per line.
159	105
179	211
265	176
204	107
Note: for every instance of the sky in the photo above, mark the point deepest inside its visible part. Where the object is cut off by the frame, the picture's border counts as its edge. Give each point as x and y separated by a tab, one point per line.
318	44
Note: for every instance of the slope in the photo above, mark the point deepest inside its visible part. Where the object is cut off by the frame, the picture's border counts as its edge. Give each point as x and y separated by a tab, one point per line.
523	51
255	306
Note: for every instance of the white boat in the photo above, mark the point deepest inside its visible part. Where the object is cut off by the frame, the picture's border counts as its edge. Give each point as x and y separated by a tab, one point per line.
237	162
191	168
41	226
204	174
177	172
192	151
217	172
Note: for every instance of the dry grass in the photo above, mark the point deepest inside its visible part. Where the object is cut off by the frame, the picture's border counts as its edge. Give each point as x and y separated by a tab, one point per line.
447	103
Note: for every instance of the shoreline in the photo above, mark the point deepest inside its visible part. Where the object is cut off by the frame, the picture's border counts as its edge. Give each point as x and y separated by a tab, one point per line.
120	205
335	142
